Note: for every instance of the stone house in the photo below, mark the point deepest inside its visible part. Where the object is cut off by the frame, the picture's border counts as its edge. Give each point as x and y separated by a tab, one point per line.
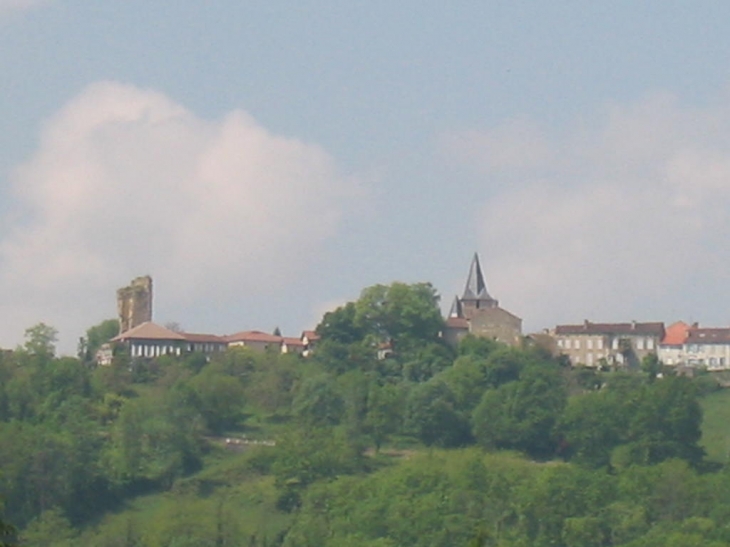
255	339
590	343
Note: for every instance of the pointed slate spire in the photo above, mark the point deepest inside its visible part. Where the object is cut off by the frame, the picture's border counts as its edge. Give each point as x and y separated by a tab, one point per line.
476	288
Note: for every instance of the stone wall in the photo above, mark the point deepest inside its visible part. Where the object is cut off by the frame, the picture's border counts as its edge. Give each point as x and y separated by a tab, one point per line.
134	303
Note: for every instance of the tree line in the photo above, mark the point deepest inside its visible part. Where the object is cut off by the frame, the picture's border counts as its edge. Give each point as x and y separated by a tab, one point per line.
424	444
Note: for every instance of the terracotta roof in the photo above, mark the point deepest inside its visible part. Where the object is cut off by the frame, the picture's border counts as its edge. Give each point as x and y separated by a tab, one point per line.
708	336
613	329
148	331
311	335
203	338
254	336
675	334
457	323
293	342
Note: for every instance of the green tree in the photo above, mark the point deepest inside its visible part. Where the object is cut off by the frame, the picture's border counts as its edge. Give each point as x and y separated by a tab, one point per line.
317	402
95	337
7	535
218	397
522	414
41	340
400	312
432	415
651	366
384	412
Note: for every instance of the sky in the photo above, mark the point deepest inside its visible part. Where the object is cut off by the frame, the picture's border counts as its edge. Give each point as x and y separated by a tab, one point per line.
266	161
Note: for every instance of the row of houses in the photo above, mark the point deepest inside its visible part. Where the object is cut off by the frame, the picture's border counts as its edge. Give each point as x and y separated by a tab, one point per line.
679	344
149	340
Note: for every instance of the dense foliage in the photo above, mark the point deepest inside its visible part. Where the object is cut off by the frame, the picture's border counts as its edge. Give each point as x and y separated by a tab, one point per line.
419	445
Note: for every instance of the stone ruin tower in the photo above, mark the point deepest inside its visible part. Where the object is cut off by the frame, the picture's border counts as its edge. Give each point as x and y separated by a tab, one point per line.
134	303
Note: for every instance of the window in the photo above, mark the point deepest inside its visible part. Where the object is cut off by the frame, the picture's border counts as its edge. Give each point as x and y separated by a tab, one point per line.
576	344
614	345
649	343
639	343
599	343
589	343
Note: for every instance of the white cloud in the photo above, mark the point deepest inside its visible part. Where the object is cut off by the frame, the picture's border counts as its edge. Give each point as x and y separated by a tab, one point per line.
627	217
127	182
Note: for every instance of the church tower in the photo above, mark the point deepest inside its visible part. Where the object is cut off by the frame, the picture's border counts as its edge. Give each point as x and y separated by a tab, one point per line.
478	313
476	296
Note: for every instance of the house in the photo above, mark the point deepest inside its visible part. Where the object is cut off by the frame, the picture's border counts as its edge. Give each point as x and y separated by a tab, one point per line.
617	343
255	339
293	345
707	348
671	348
477	313
204	343
151	340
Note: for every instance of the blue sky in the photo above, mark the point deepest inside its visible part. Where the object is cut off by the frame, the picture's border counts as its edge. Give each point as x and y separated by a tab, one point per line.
265	161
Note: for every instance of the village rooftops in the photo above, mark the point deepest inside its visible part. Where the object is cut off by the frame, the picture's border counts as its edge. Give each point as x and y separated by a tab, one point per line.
613	329
457	322
149	331
203	338
676	333
254	336
310	335
708	336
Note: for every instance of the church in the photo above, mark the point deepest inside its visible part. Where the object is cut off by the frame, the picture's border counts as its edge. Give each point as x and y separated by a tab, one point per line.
477	313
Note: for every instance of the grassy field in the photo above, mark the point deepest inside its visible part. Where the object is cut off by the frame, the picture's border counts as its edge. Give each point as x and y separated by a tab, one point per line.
716	426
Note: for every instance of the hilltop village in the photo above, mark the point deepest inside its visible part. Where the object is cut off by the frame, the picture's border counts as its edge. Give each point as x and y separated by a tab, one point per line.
388	419
476	312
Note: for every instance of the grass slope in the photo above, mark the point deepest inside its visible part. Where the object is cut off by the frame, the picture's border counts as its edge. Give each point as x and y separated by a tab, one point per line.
715	430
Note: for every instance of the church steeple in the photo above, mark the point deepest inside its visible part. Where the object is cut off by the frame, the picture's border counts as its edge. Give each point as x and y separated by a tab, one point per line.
476	289
456	308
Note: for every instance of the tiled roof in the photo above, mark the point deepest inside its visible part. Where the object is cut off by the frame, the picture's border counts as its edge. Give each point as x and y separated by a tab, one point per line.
675	334
149	331
203	338
708	336
457	323
310	335
613	329
254	336
293	342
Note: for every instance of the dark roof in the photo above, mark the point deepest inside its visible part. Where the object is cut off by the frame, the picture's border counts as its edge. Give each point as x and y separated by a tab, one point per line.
476	288
613	329
708	336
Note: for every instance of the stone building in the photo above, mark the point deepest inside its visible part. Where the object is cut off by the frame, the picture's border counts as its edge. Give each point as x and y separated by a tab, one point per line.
134	303
590	343
476	312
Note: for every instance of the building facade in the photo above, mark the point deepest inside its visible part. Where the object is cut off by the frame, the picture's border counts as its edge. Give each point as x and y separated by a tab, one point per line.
622	344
